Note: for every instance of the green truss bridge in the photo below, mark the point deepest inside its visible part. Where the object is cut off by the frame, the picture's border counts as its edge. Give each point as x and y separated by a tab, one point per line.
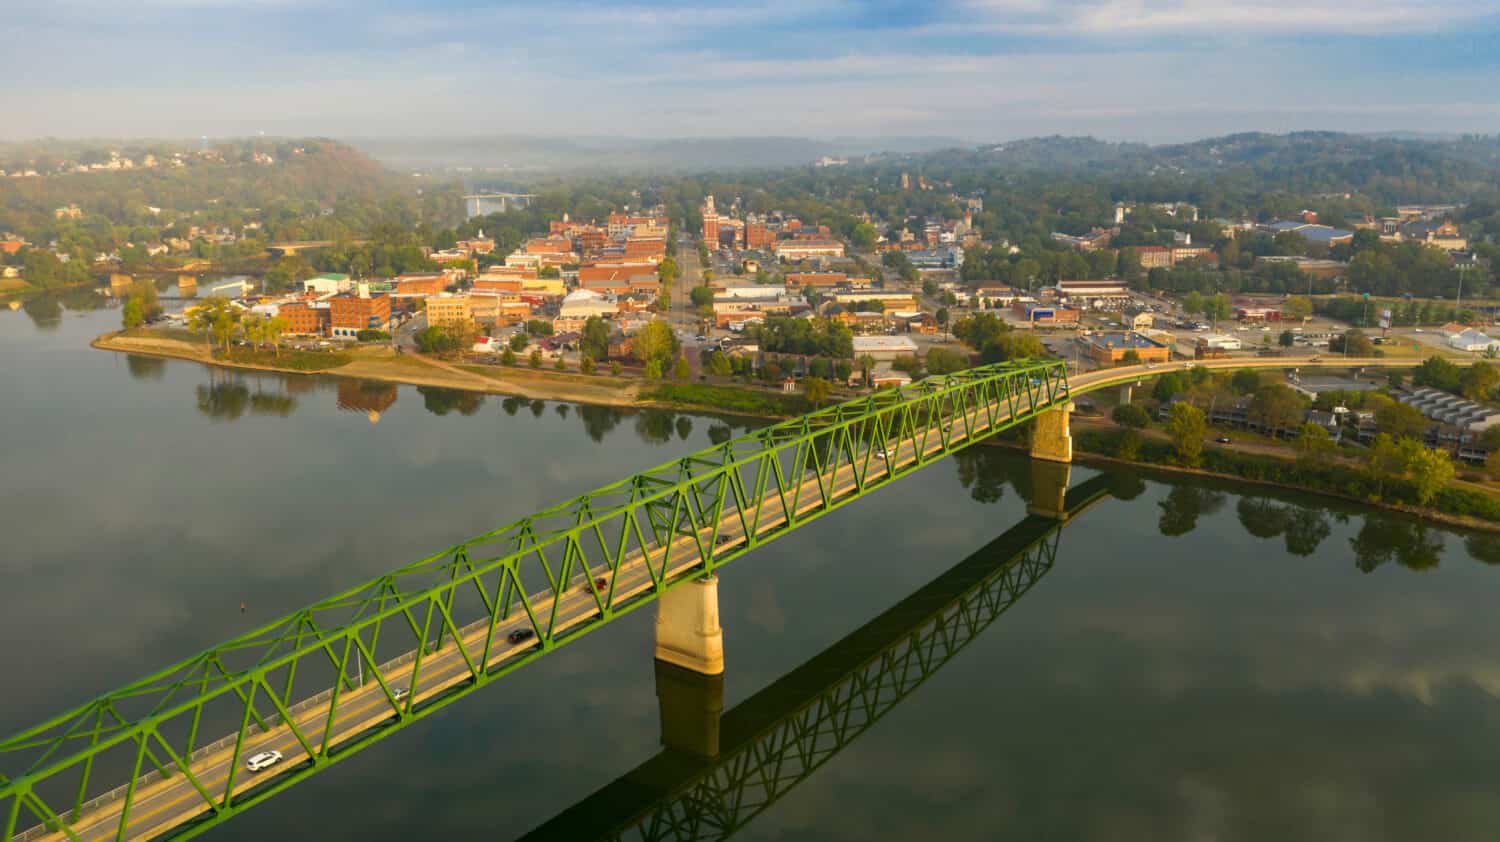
716	774
167	756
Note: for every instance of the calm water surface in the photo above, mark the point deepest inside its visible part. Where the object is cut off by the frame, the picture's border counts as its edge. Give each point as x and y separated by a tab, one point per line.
1200	663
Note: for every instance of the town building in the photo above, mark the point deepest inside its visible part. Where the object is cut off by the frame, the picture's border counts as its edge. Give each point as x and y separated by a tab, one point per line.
884	347
350	313
1111	347
448	311
710	223
1038	314
305	318
1453	410
790	250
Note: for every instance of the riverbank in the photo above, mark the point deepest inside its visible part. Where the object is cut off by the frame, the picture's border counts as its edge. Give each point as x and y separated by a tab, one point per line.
385	365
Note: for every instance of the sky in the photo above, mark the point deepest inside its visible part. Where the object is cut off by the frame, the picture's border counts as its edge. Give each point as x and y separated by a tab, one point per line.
980	70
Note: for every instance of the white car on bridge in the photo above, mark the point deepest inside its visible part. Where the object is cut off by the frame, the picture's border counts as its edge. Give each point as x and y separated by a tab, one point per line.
263	760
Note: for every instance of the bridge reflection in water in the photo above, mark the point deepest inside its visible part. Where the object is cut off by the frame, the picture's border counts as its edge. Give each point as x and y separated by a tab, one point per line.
717	773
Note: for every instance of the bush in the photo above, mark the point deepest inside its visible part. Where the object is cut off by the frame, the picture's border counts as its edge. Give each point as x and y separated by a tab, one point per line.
373	336
1131	415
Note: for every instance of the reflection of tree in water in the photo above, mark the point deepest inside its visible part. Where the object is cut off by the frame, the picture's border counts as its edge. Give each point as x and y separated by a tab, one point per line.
229	400
1307	529
719	433
1409	543
1184	505
513	404
537	408
562	410
598	420
1261	517
82	299
1126	485
1485	548
655	425
1303	528
225	400
985	471
440	401
145	368
684	427
45	311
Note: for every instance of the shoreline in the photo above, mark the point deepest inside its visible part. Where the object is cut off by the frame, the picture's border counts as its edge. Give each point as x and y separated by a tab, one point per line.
437	374
1459	521
446	376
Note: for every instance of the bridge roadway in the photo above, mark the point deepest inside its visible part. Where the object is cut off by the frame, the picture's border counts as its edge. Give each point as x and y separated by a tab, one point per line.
161	805
164	804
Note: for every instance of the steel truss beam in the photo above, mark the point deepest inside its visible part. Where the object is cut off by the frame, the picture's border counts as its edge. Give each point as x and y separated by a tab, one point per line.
430	632
782	735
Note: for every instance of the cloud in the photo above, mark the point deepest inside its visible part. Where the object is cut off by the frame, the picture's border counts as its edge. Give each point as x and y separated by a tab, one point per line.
1217	17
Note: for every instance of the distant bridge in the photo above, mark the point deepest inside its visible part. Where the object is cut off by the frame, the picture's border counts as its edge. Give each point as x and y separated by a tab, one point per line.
290	248
475	203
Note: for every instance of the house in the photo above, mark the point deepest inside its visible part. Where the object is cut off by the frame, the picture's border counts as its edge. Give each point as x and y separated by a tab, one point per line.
1135	319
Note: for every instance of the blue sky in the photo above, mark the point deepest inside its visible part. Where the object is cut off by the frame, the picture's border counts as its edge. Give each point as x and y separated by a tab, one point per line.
975	69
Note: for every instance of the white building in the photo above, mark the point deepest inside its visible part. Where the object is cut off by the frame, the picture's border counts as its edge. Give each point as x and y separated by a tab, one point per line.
884	347
1473	340
582	303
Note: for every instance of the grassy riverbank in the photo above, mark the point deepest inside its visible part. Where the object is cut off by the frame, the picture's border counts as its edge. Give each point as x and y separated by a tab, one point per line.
1455	504
728	399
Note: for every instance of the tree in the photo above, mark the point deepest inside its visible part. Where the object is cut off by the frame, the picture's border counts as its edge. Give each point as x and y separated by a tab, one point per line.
1297	307
680	370
718	364
655	342
1430	470
536	358
945	360
1217	308
1478	381
866	364
559	365
942	318
1131	415
132	314
594	341
215	317
1314	445
701	296
1276	407
817	390
1130	357
1192	303
508	356
1400	421
1244	381
1286	339
586	364
1384	462
1186	426
863	236
1353	343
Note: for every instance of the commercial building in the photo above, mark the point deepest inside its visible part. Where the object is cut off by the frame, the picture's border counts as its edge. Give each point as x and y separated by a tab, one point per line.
307	318
1110	348
330	283
448	311
351	313
1038	314
798	280
884	347
789	250
582	303
891	300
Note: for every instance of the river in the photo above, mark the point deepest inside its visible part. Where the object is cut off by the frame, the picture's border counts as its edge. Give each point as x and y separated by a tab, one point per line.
1200	662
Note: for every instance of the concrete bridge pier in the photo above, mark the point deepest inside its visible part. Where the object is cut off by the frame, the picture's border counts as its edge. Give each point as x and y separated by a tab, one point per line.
1050	437
688	634
1127	393
690	704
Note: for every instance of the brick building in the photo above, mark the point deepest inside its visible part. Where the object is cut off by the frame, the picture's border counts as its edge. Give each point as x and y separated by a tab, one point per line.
350	314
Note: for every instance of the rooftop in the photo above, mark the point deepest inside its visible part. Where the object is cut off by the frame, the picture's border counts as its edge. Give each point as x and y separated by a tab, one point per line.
1121	339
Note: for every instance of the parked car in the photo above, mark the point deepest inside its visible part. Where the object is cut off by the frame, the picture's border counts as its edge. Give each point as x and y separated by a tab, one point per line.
263	760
